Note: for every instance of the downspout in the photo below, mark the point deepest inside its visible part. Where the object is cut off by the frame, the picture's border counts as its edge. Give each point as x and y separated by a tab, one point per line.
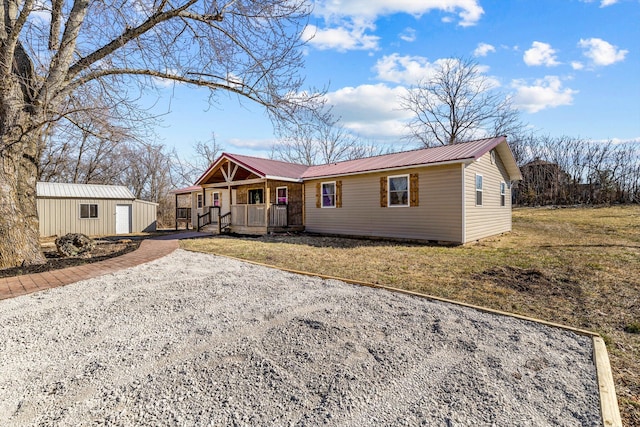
176	212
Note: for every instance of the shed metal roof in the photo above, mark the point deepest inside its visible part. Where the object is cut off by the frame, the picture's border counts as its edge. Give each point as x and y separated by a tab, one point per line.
82	191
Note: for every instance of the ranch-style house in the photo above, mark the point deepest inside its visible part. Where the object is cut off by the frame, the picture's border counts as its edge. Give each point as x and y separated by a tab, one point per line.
455	193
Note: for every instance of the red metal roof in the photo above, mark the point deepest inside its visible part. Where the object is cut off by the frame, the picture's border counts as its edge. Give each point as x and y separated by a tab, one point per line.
186	189
427	156
455	153
269	168
264	168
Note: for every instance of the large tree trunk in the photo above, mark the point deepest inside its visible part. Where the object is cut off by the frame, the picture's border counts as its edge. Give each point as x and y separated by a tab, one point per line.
19	234
19	127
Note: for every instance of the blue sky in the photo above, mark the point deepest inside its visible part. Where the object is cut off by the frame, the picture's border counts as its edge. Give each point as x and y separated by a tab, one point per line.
571	66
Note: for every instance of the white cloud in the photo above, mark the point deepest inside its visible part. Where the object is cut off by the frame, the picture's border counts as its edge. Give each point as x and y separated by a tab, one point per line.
603	3
370	110
348	23
468	11
540	54
408	35
577	65
162	82
618	141
483	49
341	39
544	93
263	145
410	70
403	69
601	52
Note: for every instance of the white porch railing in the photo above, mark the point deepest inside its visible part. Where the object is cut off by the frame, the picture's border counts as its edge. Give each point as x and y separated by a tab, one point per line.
239	215
259	215
249	215
256	215
278	216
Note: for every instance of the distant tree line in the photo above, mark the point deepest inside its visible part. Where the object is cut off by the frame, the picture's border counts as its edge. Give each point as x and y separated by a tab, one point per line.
569	170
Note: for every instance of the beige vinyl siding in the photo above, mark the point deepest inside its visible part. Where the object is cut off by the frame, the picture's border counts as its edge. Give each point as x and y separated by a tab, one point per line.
58	217
491	218
438	216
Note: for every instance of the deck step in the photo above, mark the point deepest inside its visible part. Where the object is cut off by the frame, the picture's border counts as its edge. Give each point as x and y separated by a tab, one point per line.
210	228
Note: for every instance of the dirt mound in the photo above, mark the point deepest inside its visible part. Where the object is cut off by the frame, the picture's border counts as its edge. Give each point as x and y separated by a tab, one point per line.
533	281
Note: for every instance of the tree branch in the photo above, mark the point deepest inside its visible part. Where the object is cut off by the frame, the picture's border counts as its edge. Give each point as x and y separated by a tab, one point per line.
128	35
13	34
54	29
251	94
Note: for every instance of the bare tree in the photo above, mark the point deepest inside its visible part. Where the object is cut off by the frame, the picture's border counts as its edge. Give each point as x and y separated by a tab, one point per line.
207	152
457	103
52	51
570	170
147	171
187	167
317	137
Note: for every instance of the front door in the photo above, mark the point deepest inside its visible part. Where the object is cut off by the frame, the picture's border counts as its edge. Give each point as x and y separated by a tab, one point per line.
123	219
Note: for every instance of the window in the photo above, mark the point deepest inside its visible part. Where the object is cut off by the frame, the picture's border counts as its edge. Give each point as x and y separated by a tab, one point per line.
503	200
492	154
215	199
281	196
328	194
256	196
199	201
478	190
399	190
88	210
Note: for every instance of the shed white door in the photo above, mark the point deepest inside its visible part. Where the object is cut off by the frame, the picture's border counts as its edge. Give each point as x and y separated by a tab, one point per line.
123	219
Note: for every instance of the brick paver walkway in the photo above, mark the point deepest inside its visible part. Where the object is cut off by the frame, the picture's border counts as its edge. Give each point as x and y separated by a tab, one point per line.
149	250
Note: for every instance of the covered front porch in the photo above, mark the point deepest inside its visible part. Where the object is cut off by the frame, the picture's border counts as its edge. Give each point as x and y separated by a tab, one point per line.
244	219
234	197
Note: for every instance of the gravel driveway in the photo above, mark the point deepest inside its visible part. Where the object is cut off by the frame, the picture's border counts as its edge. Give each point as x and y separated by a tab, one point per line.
194	339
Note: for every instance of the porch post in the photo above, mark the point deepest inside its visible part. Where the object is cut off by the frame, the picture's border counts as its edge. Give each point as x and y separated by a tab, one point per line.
176	212
267	201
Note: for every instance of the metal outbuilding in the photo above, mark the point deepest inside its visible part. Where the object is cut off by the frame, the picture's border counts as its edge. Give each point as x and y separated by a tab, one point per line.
92	209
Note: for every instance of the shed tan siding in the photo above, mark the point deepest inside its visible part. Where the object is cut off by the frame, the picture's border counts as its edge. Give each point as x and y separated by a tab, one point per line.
144	216
58	217
438	216
61	216
490	218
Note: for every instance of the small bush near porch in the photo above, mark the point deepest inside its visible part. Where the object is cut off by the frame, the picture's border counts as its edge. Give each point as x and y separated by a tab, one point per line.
575	266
